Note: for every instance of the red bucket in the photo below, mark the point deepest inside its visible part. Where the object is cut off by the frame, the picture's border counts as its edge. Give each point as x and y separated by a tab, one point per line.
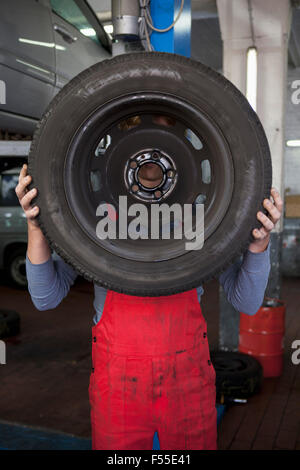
262	336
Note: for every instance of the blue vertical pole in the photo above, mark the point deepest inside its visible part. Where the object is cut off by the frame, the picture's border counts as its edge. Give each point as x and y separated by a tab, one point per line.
178	39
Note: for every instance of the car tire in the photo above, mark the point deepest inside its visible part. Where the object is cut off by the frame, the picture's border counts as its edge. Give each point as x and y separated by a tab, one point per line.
238	375
16	267
9	323
88	108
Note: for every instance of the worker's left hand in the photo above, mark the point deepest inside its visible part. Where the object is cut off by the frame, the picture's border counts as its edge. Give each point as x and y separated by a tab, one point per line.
262	235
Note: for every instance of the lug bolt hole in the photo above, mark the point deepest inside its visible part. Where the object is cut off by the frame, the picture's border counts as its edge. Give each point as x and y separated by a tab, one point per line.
200	199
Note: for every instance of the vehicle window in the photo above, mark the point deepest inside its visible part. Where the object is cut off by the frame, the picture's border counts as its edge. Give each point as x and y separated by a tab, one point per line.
70	12
8	196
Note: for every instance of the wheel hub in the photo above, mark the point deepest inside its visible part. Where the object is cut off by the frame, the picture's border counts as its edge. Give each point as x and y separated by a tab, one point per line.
165	168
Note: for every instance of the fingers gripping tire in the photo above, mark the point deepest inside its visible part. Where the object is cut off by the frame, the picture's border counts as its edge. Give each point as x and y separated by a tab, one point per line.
81	155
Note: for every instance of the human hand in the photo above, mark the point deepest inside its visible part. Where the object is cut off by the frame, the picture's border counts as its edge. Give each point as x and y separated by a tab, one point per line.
262	235
25	197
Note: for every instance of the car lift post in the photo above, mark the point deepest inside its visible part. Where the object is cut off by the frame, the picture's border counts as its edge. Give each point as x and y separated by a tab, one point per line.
178	39
125	17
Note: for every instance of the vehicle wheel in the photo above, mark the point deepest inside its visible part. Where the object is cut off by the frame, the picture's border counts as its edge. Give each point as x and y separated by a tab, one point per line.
237	375
9	323
16	267
213	151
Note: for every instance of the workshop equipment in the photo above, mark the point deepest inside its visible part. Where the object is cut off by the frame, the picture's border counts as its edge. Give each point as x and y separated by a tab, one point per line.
262	336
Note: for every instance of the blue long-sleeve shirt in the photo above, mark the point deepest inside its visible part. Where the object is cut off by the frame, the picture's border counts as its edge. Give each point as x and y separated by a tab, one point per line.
244	283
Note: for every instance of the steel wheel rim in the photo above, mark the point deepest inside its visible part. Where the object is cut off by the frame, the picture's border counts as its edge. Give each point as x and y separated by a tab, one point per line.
83	199
18	270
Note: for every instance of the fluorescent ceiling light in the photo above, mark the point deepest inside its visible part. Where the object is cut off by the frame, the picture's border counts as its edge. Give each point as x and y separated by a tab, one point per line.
293	143
251	84
88	32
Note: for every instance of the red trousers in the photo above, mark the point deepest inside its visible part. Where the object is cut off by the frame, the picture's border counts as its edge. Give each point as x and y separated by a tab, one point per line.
152	372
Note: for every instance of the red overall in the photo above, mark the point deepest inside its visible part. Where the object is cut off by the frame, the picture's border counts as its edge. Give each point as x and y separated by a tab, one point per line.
152	372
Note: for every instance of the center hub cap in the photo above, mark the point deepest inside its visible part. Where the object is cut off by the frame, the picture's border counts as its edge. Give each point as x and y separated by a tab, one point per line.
164	184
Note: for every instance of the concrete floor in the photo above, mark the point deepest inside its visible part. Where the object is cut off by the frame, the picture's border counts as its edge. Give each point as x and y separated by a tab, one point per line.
45	380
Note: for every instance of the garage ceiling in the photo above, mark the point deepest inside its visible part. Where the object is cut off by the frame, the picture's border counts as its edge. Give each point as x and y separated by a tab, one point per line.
206	35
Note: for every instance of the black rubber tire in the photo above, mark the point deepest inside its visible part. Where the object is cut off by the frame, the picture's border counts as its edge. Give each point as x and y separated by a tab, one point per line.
17	256
197	85
238	375
9	323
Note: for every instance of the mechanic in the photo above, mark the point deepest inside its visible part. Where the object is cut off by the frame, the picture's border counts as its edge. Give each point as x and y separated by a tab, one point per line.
151	364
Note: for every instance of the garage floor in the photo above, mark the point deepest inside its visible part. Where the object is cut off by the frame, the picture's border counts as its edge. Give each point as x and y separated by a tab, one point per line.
45	380
271	420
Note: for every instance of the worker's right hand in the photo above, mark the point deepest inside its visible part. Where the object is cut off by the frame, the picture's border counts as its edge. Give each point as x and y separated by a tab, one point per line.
25	196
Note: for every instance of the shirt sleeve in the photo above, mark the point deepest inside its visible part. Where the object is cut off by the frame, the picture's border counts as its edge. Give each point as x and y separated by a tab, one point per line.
245	281
49	282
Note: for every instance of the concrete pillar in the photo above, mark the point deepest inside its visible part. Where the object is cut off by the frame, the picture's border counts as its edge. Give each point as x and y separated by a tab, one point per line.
265	25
